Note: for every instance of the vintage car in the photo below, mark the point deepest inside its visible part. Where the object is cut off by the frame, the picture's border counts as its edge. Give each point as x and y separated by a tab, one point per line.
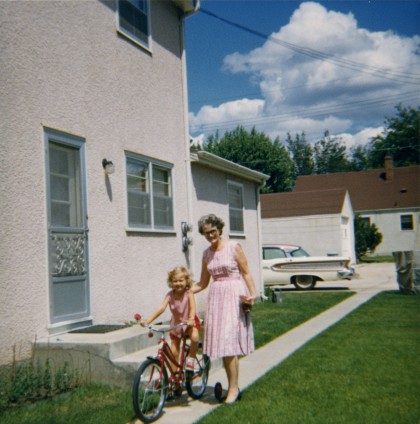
288	264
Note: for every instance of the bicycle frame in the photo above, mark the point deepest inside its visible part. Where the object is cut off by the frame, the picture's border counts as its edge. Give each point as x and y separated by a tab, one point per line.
167	358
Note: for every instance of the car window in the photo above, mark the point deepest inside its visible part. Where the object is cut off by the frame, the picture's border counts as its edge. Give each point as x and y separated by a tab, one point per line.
273	253
298	253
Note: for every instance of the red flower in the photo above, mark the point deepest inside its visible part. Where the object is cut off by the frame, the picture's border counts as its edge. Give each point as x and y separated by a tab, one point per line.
137	317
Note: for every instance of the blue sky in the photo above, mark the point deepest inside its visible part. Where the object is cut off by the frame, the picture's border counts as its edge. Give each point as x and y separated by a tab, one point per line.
336	65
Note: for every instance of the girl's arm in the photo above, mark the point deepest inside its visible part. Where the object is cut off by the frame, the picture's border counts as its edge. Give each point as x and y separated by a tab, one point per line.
246	274
204	279
159	311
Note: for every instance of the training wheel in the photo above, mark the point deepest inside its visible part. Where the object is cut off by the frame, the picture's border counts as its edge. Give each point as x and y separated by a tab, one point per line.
218	391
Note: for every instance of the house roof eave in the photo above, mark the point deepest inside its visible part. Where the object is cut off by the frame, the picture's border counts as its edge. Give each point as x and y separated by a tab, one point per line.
216	162
188	6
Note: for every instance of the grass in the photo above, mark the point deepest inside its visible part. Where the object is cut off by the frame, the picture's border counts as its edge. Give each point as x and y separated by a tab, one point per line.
90	404
362	370
377	259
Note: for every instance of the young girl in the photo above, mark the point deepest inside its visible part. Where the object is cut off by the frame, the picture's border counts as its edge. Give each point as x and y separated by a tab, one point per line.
182	304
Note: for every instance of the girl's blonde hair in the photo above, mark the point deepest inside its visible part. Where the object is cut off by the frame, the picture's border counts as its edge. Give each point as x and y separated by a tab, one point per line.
180	270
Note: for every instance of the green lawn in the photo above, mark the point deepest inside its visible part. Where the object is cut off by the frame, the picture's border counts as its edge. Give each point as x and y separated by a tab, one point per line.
365	369
362	370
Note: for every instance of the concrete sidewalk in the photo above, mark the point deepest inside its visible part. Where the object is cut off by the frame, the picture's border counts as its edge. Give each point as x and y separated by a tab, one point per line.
372	279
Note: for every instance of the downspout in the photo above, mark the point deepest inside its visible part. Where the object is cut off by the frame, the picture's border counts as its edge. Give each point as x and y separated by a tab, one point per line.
259	232
189	254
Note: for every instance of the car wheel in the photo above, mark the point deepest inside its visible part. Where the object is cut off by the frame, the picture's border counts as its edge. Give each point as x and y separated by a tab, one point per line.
304	282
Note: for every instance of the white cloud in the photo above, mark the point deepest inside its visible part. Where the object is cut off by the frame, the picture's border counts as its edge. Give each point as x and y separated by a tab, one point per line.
341	93
226	115
362	137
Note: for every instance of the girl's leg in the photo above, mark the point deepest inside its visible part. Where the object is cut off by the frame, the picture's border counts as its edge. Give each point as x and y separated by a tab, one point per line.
175	345
231	364
193	332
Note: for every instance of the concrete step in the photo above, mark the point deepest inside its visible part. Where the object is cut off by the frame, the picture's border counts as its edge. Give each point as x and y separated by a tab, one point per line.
93	354
110	358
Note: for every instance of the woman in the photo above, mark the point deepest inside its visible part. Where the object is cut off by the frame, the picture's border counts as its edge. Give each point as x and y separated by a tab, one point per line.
228	332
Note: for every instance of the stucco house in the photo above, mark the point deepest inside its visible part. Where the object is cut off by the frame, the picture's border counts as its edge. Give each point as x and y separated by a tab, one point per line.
96	179
320	221
387	197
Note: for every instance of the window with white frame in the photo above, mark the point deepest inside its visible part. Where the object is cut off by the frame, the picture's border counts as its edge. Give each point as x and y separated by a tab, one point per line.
236	213
407	222
149	193
134	20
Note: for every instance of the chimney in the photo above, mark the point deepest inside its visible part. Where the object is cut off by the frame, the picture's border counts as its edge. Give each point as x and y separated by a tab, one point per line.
389	168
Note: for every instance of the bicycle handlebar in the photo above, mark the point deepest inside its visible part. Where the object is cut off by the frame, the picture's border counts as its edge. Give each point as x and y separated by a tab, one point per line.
165	329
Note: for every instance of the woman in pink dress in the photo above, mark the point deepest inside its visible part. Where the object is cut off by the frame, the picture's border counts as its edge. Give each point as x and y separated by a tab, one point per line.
228	331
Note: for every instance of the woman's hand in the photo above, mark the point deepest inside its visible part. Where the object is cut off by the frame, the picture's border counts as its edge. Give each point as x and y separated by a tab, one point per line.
247	299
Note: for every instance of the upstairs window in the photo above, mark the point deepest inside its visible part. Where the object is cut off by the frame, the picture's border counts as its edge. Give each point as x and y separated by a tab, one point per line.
407	222
236	213
149	194
134	21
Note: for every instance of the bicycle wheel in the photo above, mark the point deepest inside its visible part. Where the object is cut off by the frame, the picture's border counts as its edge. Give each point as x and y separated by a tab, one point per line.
149	390
196	381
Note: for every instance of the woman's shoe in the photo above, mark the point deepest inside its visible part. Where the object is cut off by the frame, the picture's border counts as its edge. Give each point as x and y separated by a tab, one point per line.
238	398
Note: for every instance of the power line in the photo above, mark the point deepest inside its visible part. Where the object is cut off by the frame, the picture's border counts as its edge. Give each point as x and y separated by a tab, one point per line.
403	77
314	112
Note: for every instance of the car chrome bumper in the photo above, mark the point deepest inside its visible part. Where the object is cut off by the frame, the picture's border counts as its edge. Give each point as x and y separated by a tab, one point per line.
346	273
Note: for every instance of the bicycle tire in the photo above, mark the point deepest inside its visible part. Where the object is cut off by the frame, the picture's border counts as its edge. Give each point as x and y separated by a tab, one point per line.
149	390
196	381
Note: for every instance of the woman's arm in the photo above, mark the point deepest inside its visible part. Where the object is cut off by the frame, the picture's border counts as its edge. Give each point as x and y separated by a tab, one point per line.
192	308
204	279
159	311
246	274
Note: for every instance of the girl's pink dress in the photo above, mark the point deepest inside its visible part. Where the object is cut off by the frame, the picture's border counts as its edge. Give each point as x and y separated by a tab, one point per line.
228	331
180	310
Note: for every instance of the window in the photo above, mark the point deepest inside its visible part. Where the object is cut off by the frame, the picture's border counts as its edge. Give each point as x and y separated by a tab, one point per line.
134	20
65	204
365	219
236	215
149	193
273	253
407	222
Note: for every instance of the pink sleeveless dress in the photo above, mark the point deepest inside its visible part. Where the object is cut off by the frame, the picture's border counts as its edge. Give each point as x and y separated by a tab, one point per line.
228	332
180	310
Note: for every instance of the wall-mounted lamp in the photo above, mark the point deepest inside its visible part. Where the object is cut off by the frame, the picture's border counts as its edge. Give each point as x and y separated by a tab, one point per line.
186	241
108	166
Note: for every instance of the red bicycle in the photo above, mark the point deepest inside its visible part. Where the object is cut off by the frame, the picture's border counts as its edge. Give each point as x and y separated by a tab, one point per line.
162	377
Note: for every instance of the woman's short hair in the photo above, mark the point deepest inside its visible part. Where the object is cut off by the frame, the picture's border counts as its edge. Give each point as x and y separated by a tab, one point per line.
210	219
180	270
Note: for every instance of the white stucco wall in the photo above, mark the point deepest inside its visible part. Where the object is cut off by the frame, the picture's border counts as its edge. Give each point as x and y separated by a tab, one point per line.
65	67
210	196
394	238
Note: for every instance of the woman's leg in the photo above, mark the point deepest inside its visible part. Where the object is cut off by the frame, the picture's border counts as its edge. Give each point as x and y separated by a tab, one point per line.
231	364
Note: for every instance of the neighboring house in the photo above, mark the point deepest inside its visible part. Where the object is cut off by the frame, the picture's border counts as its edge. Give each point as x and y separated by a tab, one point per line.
230	191
388	198
319	221
85	83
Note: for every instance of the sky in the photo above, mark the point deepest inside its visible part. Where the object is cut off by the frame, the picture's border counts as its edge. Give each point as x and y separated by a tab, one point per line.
290	66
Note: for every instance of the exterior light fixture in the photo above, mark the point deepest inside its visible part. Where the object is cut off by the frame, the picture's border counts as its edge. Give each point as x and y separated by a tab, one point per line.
108	166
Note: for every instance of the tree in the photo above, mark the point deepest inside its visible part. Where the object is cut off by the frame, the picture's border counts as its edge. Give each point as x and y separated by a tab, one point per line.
400	139
256	151
367	236
302	154
358	158
330	155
